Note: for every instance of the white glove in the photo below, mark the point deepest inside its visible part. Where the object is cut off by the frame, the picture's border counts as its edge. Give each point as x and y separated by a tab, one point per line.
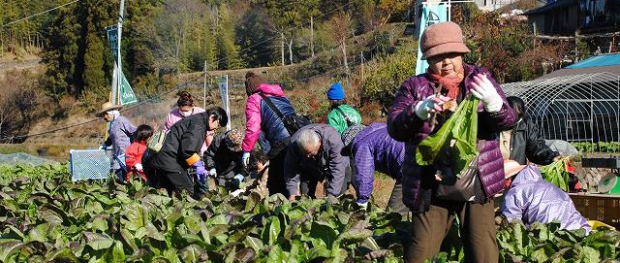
363	206
430	104
139	167
245	159
213	172
484	90
237	192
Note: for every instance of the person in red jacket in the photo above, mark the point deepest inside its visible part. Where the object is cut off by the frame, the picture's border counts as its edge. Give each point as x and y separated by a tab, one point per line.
133	154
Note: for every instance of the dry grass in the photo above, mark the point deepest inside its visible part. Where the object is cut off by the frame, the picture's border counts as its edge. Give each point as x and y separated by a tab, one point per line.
381	192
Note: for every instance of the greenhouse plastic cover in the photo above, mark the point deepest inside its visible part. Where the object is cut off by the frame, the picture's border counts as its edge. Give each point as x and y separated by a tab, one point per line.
24	158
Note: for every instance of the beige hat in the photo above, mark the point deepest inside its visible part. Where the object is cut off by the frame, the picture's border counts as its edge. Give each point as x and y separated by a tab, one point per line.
511	168
442	38
108	106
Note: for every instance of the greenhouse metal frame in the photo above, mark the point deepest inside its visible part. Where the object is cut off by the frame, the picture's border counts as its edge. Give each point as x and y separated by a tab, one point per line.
575	108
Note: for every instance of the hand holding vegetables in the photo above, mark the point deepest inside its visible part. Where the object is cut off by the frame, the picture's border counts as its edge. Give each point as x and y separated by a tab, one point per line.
429	105
484	90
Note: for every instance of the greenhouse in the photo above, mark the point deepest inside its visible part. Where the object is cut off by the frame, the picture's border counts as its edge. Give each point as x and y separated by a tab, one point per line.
580	103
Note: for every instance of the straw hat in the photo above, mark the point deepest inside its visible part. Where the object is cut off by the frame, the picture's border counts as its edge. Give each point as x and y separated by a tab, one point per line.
108	106
511	168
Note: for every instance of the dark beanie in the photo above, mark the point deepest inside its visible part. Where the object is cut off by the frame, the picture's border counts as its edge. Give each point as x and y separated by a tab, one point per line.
252	81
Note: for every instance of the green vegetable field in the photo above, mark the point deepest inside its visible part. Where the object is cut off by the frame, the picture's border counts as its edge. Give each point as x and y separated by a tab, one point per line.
44	217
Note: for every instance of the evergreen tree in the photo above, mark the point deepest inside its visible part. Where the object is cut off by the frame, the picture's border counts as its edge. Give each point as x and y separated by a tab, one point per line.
61	54
98	15
229	54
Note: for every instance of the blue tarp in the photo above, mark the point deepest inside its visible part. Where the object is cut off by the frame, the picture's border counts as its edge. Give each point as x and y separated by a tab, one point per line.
598	61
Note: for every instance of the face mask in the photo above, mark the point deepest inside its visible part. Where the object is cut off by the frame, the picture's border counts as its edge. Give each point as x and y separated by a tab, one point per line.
186	113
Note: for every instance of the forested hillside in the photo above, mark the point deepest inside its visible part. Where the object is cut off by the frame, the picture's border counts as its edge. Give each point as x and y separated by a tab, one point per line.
174	36
359	42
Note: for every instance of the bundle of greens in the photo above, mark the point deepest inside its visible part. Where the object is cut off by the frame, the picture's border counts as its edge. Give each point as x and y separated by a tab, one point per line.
556	173
455	142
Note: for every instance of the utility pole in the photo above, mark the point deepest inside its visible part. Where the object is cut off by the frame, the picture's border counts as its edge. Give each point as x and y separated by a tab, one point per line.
119	78
204	87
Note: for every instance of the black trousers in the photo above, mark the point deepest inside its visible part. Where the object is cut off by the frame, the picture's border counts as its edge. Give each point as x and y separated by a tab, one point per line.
174	182
276	183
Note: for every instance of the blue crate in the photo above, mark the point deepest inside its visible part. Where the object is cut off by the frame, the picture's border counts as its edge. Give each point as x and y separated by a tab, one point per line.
89	164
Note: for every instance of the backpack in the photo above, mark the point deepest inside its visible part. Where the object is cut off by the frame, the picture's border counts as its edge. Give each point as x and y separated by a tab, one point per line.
346	118
156	141
153	145
292	122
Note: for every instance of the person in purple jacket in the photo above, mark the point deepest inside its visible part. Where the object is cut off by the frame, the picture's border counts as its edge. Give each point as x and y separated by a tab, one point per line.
409	121
531	199
120	131
372	149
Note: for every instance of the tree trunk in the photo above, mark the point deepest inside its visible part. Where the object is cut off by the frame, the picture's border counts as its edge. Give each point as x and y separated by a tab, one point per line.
344	54
290	51
312	36
282	47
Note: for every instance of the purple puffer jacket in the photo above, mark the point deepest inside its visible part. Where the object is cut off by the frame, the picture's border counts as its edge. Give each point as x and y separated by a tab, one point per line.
374	150
405	125
532	199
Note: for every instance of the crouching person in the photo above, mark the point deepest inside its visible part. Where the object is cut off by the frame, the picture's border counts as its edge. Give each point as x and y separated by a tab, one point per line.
223	159
313	155
372	149
180	151
531	199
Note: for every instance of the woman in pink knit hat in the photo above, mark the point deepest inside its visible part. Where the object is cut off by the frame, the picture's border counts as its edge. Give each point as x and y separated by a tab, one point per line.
420	98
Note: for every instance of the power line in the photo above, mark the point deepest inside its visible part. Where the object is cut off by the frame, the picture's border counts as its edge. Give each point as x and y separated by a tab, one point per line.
38	14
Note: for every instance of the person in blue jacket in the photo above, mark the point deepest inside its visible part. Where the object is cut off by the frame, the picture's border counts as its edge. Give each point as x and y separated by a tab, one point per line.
372	149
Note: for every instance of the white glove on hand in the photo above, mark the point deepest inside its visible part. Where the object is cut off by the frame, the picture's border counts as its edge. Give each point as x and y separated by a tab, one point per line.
237	192
139	167
484	90
245	160
213	173
430	104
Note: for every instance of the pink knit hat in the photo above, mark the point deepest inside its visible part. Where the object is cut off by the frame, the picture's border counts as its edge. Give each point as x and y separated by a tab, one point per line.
442	38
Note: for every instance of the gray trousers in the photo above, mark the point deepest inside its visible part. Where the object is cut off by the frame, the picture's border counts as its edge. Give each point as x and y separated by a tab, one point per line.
395	203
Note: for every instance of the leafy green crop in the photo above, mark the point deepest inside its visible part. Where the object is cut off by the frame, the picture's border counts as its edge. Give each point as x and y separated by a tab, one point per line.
556	173
51	218
47	218
455	140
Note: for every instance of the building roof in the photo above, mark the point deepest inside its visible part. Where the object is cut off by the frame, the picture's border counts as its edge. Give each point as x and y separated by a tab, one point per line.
598	61
551	6
597	64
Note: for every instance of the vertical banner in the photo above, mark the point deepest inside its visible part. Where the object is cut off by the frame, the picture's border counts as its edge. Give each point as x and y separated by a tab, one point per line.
124	92
223	84
431	14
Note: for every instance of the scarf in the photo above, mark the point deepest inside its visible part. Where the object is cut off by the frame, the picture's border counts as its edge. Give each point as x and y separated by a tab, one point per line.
449	85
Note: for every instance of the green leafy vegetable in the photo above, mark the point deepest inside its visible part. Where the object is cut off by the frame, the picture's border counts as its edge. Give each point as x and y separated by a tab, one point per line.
455	142
556	173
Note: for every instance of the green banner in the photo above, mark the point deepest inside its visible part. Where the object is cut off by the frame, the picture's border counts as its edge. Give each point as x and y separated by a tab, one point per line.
126	95
124	92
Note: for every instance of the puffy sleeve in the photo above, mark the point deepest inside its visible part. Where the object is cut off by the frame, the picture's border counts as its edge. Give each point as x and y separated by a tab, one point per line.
252	125
364	168
403	123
